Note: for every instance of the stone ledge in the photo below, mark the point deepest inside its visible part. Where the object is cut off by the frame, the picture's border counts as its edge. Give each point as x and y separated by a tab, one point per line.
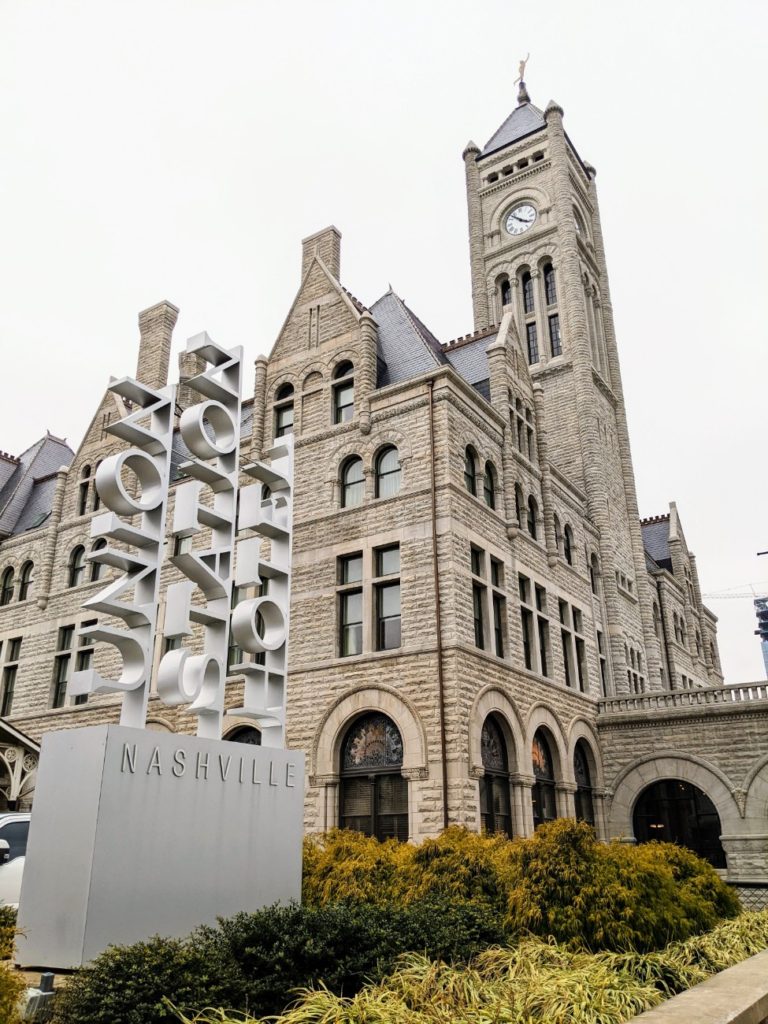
738	995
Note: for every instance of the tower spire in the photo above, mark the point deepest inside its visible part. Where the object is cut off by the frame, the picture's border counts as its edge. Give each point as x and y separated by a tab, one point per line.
522	92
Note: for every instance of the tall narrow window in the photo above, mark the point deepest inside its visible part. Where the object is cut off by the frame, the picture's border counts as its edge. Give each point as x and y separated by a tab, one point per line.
542	624
532	342
526	617
556	346
82	491
527	284
386	589
62	664
96	499
489	485
584	804
519	505
478	596
344	392
495	804
550	289
77	566
603	664
350	576
568	544
84	659
543	793
10	671
470	470
284	410
499	618
352	482
97	568
533	510
373	796
505	292
6	586
594	573
26	580
387	472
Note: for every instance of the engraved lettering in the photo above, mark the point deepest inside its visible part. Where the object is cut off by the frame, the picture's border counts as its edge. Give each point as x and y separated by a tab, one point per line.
254	780
201	766
129	758
224	766
290	775
154	763
272	779
179	763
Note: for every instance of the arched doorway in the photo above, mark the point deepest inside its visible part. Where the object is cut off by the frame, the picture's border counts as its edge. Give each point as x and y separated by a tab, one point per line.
495	804
543	792
585	810
374	794
674	811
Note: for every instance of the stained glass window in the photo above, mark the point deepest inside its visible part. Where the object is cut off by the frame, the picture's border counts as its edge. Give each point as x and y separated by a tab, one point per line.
495	803
543	793
584	806
493	749
374	795
373	742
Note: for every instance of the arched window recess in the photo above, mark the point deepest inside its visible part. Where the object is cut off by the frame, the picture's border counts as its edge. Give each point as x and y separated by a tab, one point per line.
388	474
470	470
373	796
495	803
352	482
543	793
344	392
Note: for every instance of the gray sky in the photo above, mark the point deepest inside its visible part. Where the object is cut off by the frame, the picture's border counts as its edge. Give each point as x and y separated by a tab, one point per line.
181	149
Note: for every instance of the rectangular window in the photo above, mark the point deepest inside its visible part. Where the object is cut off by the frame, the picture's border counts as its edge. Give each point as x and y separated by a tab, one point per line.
12	655
351	618
388	560
527	620
543	645
387	616
84	660
478	594
181	545
580	663
351	568
344	402
565	638
497	572
476	560
499	615
284	420
527	293
61	665
554	335
603	665
533	344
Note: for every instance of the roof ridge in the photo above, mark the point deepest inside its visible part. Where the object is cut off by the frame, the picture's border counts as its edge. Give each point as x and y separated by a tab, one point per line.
482	332
648	520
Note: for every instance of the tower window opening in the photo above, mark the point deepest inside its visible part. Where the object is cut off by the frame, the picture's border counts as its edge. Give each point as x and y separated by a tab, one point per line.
554	335
550	287
492	178
527	283
505	291
532	342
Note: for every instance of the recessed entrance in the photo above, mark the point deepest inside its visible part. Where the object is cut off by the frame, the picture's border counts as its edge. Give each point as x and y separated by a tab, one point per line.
673	811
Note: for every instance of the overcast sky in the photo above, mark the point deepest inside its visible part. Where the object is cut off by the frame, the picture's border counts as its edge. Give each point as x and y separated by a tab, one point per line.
181	149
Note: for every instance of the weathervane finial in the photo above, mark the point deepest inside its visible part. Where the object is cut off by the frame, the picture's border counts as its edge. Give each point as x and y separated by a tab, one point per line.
522	92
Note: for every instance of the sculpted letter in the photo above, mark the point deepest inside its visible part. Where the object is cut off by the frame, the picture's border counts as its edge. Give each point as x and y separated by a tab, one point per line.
129	758
154	763
179	763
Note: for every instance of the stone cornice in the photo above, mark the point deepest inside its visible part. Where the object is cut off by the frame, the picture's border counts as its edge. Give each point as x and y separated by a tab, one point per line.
604	387
513	179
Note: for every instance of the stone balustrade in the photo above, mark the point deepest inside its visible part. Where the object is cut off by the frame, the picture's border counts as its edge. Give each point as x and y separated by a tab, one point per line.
672	700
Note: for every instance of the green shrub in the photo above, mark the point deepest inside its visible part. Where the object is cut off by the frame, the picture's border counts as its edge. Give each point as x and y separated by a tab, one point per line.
127	984
561	882
12	986
7	931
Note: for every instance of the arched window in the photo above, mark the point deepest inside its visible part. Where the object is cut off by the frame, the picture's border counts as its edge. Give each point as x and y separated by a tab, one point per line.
77	566
526	282
82	491
495	807
558	533
26	580
532	515
505	291
673	811
656	620
584	804
6	586
519	505
245	734
543	792
568	544
387	472
284	410
550	289
374	795
352	482
343	392
470	470
97	568
489	485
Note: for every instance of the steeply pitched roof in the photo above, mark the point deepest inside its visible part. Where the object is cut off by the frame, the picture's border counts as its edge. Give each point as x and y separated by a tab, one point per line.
656	540
406	347
42	459
471	361
524	120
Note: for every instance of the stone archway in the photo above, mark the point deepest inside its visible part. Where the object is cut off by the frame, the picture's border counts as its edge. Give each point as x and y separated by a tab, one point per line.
674	811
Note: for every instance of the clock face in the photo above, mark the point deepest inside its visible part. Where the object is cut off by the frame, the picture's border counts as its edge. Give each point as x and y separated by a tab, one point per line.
520	219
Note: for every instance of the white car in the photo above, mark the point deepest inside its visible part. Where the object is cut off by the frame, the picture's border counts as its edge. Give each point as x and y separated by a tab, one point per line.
14	829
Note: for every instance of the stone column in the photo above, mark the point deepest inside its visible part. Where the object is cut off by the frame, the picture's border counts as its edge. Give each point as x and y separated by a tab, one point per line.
259	406
365	376
522	801
52	534
542	321
598	805
475	216
546	475
566	804
653	653
574	314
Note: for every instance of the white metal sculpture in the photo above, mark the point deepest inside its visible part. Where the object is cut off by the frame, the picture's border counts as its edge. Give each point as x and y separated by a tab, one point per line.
209	500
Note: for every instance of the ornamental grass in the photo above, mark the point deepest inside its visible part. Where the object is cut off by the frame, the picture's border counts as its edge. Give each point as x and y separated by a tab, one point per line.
534	982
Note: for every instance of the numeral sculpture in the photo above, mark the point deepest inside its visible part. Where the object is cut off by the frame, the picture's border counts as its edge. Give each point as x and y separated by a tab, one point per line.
210	499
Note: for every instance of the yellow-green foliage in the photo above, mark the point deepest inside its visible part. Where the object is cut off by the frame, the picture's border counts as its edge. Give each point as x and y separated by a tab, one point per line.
533	983
558	883
7	932
11	988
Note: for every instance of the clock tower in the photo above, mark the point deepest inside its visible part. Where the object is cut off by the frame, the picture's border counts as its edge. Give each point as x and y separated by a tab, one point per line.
536	249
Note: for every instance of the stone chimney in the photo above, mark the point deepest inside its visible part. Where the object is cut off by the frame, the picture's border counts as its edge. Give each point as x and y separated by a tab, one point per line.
327	245
155	328
190	364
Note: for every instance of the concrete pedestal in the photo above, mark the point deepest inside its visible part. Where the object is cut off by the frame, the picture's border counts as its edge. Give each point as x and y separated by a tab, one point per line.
137	833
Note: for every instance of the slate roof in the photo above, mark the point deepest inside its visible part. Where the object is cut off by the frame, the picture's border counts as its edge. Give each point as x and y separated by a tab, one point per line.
406	347
20	491
656	541
524	120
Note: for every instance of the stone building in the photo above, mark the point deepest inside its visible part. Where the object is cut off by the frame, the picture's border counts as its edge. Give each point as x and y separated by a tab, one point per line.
483	631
